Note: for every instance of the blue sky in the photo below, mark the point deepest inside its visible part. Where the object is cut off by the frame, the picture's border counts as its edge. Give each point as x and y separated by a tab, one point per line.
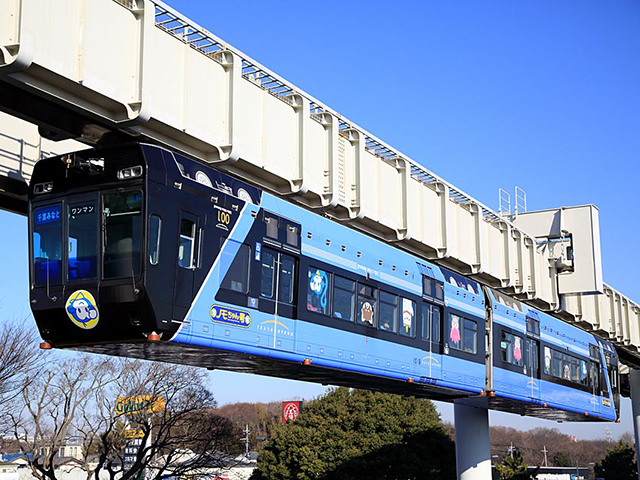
544	95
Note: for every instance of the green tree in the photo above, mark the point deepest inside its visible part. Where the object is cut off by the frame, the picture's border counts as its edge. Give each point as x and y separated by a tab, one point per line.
561	459
619	464
514	468
354	434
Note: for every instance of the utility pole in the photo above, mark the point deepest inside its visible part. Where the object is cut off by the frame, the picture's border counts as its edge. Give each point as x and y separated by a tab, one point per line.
544	450
246	440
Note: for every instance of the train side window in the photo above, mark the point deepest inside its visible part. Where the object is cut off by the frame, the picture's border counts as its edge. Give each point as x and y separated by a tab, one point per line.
408	325
426	321
237	277
427	286
594	377
603	382
287	278
292	235
575	370
547	361
432	287
435	324
366	305
470	336
584	379
455	331
154	238
388	311
267	277
518	358
318	291
506	347
343	298
531	356
431	322
187	241
556	366
272	227
566	367
533	326
511	349
463	334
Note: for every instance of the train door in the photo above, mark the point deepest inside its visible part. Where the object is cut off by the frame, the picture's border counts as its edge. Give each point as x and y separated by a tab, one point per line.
432	336
187	262
595	379
532	368
532	356
277	293
612	371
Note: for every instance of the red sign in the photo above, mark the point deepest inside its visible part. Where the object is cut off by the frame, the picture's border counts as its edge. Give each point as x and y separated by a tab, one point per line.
290	410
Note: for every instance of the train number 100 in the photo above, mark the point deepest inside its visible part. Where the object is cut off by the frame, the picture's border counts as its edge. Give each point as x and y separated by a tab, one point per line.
224	217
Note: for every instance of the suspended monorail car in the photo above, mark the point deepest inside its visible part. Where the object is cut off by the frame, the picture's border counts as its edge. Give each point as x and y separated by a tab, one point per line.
139	251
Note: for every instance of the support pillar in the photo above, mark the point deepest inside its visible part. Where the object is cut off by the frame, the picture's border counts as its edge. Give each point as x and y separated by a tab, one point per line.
473	456
634	383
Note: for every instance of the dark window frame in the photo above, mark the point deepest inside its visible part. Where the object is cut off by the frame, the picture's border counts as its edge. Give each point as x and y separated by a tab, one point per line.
95	240
181	236
393	305
61	237
226	284
276	271
351	293
361	299
155	247
414	318
140	231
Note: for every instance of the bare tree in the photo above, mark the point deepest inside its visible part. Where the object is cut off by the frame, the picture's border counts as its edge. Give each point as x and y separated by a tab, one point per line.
133	418
173	415
18	356
51	403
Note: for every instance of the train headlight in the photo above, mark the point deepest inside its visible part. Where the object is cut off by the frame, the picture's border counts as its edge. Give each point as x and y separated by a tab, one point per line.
40	188
130	172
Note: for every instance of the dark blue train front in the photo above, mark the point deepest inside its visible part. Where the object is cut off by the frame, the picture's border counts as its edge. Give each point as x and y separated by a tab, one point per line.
137	251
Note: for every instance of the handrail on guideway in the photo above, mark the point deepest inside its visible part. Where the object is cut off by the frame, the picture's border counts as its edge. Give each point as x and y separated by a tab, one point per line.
200	39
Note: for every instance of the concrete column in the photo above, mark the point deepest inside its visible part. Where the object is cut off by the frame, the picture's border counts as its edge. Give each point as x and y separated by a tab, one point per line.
473	456
634	383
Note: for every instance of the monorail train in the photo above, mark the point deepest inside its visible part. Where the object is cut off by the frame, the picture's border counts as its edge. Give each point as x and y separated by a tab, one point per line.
138	251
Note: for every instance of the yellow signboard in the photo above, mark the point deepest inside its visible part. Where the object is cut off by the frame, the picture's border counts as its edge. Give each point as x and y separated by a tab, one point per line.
138	404
133	434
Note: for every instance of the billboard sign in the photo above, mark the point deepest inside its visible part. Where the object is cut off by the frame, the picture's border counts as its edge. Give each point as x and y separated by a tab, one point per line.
139	404
290	410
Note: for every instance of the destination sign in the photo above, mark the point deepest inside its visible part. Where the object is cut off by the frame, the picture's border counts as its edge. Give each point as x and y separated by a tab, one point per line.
47	215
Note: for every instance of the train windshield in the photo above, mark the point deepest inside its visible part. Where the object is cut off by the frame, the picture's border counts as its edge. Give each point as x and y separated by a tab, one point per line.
122	214
47	245
83	240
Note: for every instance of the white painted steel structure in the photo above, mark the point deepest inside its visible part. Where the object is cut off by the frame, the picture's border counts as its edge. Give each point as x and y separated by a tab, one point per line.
21	146
220	106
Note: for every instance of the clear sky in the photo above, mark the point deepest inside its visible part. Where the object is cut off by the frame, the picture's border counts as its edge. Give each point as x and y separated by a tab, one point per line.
544	95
